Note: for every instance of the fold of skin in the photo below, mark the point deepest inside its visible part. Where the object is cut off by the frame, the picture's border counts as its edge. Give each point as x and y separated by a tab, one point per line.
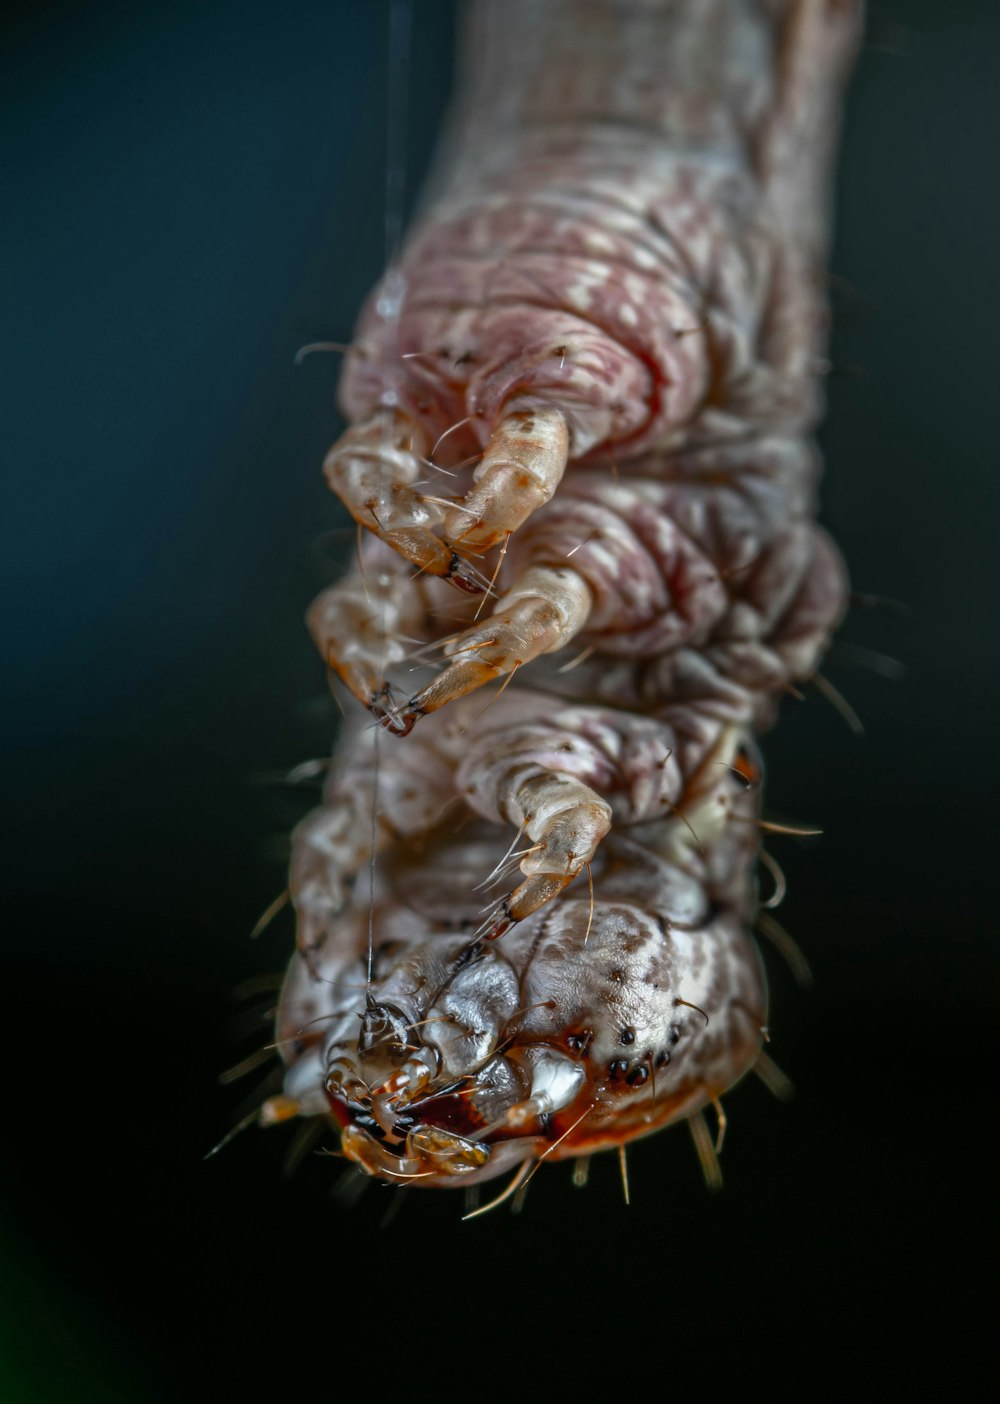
629	235
590	1022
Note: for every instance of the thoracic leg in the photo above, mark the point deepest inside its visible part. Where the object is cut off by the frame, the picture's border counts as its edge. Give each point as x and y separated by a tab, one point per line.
520	470
516	778
561	778
363	625
565	821
376	465
545	608
372	468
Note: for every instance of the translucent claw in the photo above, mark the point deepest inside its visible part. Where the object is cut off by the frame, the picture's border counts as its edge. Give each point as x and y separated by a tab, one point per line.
360	626
532	894
374	469
567	820
519	472
545	608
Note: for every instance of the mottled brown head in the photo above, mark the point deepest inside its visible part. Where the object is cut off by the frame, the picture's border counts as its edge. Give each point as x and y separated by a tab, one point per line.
580	1029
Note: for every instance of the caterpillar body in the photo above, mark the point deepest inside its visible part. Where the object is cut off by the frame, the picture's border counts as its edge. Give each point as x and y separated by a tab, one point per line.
578	450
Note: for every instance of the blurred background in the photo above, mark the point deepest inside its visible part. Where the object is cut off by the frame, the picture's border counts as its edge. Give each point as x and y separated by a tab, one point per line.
193	191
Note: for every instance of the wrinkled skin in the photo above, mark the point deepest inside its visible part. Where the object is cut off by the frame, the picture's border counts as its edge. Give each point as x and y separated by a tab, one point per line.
606	331
581	1026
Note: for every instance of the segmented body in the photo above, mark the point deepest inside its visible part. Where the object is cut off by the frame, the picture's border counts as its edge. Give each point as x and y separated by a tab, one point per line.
614	310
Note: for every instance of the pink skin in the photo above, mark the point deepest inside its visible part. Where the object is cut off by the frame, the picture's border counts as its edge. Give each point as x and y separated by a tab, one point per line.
622	272
626	226
638	259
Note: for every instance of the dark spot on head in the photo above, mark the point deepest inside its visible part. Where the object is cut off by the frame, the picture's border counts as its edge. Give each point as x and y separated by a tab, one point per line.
579	1043
674	1036
638	1076
627	1035
618	1069
616	975
661	1058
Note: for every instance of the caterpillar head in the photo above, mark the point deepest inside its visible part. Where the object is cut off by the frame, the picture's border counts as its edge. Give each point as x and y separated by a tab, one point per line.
582	1028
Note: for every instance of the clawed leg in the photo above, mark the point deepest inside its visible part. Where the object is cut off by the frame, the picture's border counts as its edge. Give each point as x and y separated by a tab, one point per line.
366	623
362	626
375	468
372	468
519	472
543	611
561	819
565	820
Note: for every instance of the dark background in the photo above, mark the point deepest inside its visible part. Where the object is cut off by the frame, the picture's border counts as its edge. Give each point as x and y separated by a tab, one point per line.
194	191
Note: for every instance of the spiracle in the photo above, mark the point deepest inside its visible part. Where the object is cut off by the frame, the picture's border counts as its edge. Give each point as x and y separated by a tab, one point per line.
578	451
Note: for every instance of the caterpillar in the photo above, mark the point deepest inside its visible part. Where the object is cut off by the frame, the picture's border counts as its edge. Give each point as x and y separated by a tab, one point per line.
578	453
